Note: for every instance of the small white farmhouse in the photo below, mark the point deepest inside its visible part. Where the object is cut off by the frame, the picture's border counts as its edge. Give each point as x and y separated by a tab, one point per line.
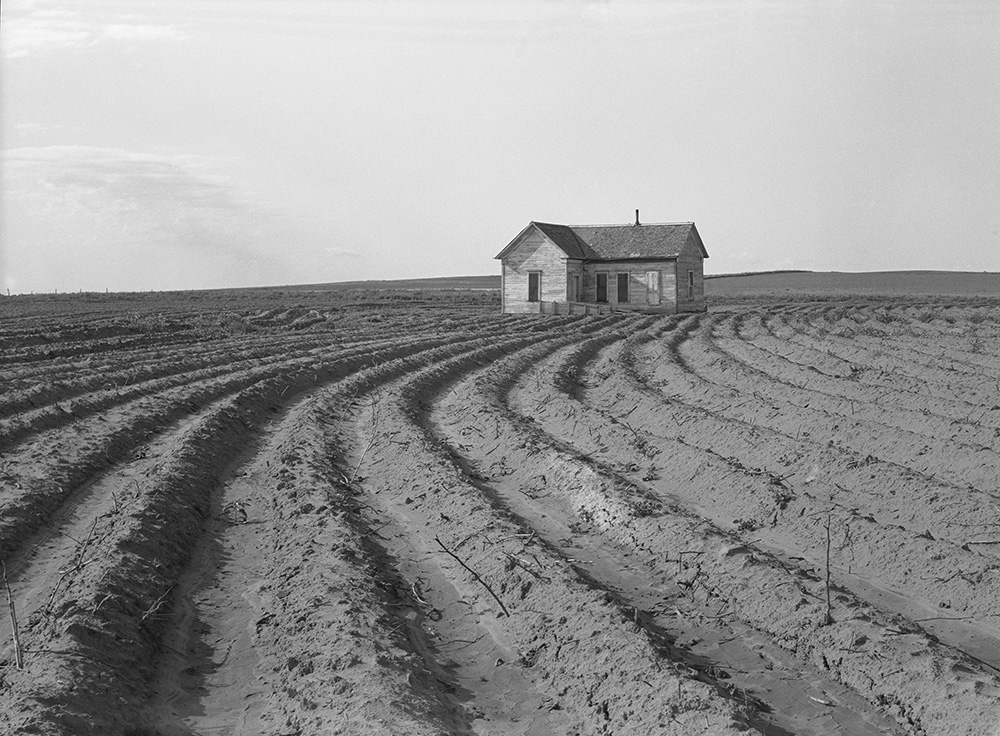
555	269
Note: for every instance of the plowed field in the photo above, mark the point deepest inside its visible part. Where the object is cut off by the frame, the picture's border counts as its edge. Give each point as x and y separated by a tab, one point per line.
308	513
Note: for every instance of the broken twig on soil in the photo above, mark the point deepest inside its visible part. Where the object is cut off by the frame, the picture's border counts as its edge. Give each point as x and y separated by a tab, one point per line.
474	574
828	619
376	413
156	605
18	652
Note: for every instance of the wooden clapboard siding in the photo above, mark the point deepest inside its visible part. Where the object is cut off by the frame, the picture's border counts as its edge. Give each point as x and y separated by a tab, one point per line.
690	259
637	271
534	253
668	288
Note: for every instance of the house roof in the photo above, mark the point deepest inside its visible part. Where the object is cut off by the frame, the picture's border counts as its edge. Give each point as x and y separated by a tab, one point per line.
617	242
566	238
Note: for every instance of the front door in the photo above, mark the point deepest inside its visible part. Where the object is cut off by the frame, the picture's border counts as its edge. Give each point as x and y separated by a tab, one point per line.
602	288
623	288
534	286
574	287
653	288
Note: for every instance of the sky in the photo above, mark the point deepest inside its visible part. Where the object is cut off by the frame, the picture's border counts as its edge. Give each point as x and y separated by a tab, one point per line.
189	144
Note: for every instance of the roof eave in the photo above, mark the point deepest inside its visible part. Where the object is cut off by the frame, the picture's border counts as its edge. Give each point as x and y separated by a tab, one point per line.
697	239
581	244
514	242
634	258
533	224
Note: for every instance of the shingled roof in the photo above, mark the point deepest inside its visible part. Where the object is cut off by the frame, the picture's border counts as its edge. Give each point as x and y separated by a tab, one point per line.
566	238
617	242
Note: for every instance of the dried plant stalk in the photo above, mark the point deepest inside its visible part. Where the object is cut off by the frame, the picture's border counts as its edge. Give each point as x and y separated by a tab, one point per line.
18	652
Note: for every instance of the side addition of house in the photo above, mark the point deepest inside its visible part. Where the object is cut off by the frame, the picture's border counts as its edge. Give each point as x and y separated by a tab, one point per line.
565	269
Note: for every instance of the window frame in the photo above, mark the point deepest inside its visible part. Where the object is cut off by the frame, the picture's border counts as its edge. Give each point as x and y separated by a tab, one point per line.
538	286
623	285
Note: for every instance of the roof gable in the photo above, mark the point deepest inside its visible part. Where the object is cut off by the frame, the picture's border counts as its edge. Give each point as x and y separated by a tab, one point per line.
617	242
566	238
560	236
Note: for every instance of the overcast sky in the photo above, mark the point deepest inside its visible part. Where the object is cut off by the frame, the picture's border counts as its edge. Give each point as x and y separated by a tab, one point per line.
175	144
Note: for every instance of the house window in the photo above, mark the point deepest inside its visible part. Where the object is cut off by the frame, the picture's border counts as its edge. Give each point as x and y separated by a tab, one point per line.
602	287
623	287
534	286
691	285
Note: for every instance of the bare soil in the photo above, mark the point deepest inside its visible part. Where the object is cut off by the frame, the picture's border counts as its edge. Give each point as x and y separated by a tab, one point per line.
379	512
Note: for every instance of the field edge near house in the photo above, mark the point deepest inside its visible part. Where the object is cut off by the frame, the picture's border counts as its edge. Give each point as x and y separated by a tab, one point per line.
385	511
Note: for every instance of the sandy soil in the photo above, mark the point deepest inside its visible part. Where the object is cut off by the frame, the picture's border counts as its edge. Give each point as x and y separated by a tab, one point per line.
403	513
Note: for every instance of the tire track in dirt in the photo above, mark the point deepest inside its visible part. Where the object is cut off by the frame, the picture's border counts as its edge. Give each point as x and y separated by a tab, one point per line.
86	518
283	557
910	711
603	440
911	378
216	577
976	466
589	524
887	338
229	666
893	357
960	414
106	596
51	384
69	408
61	461
892	405
966	595
544	596
677	382
735	426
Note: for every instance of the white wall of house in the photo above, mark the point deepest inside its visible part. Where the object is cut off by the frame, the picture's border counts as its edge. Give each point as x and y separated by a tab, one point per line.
533	254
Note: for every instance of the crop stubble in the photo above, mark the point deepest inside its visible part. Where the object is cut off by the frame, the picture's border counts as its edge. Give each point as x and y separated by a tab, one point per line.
307	513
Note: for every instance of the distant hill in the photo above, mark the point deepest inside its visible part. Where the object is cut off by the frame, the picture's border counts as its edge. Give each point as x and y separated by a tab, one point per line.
438	282
754	273
751	284
832	283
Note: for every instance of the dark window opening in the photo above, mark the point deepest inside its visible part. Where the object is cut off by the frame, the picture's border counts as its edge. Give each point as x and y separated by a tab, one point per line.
534	285
623	287
602	287
690	284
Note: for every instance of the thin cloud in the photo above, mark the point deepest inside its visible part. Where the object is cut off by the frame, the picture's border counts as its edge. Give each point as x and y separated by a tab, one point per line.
40	128
488	21
36	27
343	252
155	210
133	180
140	31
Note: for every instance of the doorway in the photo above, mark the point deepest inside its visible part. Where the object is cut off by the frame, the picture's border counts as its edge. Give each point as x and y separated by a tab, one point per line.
574	287
623	288
653	288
